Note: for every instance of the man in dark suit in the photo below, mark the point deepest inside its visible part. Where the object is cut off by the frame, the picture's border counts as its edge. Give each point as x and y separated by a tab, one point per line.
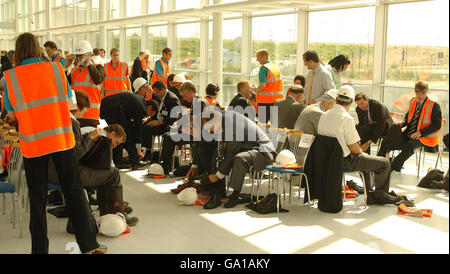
374	120
422	124
128	110
290	108
240	102
160	124
137	69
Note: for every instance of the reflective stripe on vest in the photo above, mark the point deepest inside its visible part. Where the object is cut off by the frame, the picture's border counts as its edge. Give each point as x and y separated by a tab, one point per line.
274	85
81	80
59	57
149	95
115	80
43	110
431	139
211	102
166	71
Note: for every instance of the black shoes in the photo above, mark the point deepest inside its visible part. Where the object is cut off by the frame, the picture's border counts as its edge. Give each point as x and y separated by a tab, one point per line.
352	185
102	249
138	166
214	202
232	202
123	166
131	221
383	198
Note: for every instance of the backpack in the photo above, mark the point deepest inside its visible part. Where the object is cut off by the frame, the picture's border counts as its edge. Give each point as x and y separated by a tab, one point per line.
432	175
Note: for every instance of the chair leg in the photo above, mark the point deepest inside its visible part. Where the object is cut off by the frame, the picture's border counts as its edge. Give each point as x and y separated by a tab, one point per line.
307	187
343	188
12	211
278	196
290	187
365	188
19	203
4	203
418	167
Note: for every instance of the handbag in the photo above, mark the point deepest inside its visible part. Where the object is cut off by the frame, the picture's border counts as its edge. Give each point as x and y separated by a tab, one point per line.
100	156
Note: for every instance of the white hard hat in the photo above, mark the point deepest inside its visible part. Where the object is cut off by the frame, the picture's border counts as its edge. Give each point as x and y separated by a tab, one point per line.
188	196
284	158
83	47
138	83
155	169
179	78
347	91
146	52
331	93
112	225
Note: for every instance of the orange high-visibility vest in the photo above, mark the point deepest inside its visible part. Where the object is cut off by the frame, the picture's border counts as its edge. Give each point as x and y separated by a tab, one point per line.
115	80
145	64
211	101
58	58
38	95
166	71
81	80
424	121
149	95
274	85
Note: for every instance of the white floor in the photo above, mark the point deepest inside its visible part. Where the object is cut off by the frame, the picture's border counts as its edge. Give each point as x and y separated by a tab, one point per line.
168	227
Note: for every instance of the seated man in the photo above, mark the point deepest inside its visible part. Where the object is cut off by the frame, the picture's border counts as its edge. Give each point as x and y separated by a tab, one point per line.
240	103
338	123
107	182
423	122
374	120
163	120
308	120
247	145
290	108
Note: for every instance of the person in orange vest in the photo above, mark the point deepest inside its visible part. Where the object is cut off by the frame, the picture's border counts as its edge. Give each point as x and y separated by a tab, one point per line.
116	76
37	92
87	77
161	70
423	122
270	86
212	91
52	51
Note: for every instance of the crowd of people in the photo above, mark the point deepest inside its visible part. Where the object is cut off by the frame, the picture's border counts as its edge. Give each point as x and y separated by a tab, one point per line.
57	99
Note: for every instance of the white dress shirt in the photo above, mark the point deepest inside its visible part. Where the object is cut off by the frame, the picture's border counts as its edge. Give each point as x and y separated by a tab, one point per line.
337	122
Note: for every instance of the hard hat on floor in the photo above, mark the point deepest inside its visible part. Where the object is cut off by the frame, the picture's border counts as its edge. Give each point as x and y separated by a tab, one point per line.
188	196
155	169
112	225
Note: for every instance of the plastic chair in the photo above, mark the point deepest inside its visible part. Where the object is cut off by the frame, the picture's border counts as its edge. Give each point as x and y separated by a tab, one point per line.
300	144
421	157
361	175
12	186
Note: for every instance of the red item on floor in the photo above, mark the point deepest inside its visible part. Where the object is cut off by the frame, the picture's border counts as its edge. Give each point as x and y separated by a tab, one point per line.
126	231
404	210
349	193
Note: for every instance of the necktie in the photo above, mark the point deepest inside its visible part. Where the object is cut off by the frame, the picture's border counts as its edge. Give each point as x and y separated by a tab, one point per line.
412	128
365	120
308	94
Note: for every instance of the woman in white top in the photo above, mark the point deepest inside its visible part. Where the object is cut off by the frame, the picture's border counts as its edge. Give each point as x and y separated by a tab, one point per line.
337	65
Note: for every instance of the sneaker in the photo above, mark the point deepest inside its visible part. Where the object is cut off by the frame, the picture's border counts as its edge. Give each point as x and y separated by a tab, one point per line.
383	198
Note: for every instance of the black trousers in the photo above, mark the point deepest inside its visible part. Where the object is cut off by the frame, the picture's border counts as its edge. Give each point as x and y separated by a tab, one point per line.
408	146
264	112
203	155
149	132
118	117
36	171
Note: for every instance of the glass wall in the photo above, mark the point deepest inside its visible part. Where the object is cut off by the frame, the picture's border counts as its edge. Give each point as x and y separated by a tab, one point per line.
95	13
422	54
188	46
113	9
81	12
69	12
157	41
133	43
278	35
133	8
154	6
186	4
346	31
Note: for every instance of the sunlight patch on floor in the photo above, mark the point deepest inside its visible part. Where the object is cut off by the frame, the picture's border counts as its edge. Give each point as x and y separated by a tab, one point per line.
283	239
348	246
412	236
439	208
240	223
349	222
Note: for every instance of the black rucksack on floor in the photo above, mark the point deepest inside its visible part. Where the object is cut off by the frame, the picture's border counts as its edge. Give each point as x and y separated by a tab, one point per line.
432	175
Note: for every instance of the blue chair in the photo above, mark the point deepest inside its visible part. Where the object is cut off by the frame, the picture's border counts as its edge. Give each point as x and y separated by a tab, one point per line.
299	144
12	186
